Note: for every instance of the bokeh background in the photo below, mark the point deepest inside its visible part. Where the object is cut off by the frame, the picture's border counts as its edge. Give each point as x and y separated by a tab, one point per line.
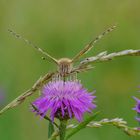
63	28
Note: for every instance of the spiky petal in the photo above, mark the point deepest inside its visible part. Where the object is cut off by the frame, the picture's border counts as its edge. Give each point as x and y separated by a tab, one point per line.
64	100
137	108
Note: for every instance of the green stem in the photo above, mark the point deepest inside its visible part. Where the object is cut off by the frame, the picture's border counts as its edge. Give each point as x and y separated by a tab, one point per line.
62	129
50	129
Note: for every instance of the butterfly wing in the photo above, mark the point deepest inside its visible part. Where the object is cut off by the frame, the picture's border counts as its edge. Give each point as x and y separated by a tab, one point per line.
103	57
37	86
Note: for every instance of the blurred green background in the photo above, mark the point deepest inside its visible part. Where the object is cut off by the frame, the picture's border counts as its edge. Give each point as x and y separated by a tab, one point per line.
63	28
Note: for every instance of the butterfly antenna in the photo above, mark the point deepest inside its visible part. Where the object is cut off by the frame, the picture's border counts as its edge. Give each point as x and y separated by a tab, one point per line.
32	45
89	46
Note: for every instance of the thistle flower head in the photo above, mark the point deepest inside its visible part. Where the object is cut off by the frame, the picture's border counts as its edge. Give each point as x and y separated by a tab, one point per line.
64	100
137	106
137	109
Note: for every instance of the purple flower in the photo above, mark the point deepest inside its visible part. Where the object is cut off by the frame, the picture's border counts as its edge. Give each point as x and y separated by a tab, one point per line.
137	107
65	100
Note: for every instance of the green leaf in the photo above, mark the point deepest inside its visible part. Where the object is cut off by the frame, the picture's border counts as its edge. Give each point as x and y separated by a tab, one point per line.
82	125
50	129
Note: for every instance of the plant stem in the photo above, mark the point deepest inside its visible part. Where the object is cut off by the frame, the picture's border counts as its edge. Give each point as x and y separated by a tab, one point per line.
62	129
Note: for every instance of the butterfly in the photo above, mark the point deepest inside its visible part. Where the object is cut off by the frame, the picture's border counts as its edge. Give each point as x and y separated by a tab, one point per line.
65	67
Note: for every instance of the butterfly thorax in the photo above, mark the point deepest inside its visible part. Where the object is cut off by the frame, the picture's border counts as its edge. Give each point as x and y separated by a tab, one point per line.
64	66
